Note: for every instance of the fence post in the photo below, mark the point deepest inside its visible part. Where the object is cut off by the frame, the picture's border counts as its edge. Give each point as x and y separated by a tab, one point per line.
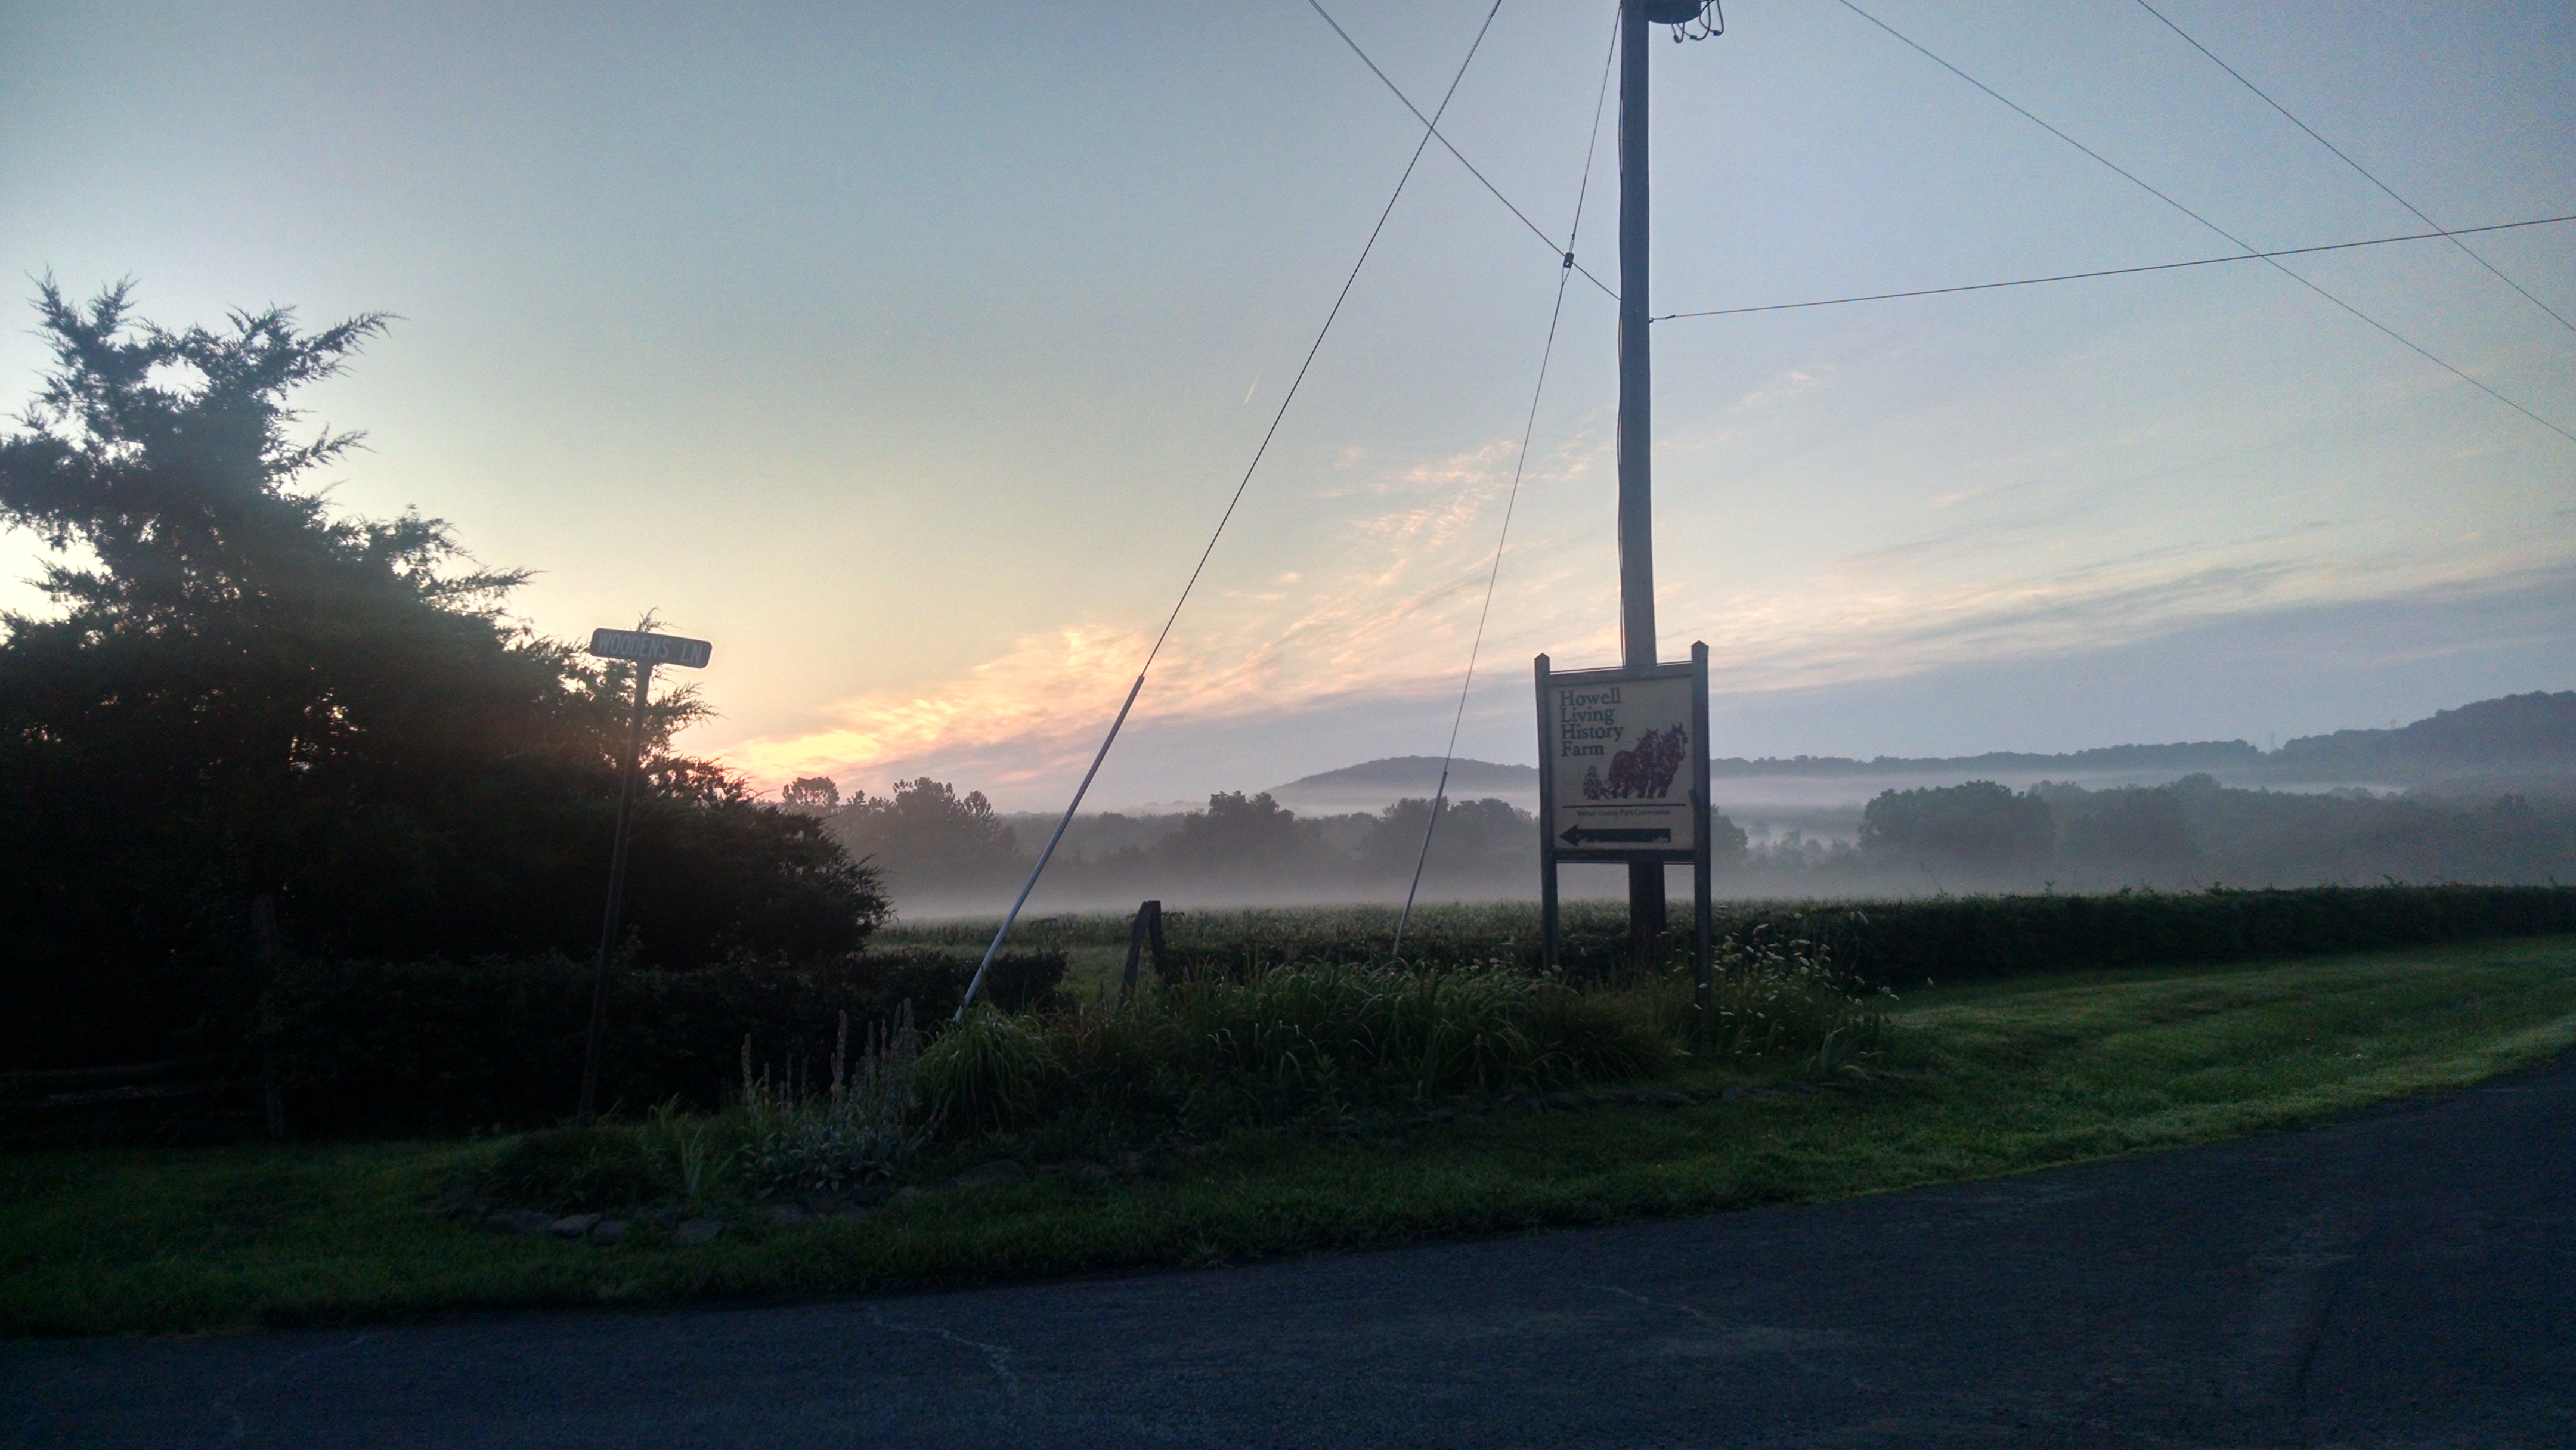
1151	910
263	925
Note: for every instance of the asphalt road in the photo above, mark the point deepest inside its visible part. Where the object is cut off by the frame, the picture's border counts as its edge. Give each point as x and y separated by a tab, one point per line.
2406	1276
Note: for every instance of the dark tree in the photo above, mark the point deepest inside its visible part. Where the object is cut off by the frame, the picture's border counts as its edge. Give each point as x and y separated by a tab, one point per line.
1239	837
244	694
1979	824
925	836
1479	840
810	793
2134	828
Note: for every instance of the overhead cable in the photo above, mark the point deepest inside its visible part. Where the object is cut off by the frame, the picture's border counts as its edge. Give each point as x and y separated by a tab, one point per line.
2347	160
1430	128
2118	271
2248	248
1511	500
1566	251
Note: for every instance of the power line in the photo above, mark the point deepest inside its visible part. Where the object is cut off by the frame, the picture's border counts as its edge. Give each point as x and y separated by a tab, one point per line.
2355	165
1430	129
1520	462
2248	248
2118	271
1566	251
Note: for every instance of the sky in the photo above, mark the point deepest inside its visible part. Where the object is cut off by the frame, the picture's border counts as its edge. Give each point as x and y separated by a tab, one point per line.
911	358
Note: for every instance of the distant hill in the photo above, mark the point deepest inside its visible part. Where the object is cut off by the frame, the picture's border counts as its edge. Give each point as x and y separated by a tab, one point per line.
1412	775
2512	734
2196	755
1418	774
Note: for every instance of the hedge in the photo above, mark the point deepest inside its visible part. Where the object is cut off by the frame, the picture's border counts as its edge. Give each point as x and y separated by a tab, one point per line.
1904	943
437	1047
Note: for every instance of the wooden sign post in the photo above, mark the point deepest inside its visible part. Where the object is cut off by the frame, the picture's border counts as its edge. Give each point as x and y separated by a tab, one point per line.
645	650
1623	779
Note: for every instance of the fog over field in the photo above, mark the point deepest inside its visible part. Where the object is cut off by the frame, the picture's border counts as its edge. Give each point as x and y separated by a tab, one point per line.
2483	793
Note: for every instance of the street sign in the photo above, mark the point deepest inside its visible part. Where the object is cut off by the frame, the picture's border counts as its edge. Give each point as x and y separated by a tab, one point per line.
649	650
1623	778
1623	762
658	649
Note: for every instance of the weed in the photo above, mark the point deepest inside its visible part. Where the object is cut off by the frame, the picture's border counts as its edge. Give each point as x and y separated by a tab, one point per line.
860	1129
1788	1001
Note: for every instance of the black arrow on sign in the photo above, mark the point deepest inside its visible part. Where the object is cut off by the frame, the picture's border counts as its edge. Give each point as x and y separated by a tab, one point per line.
1576	835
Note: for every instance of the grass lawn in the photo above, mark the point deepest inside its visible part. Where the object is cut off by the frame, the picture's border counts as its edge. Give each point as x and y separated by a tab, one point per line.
1990	1078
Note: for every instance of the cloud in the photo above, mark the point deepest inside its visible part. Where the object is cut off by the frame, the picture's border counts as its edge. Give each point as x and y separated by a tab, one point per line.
1387	610
1393	614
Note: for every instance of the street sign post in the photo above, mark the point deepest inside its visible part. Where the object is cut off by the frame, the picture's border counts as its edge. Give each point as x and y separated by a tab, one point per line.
645	650
1623	779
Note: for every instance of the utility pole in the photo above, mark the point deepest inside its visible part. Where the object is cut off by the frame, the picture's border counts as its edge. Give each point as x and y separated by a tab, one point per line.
1636	418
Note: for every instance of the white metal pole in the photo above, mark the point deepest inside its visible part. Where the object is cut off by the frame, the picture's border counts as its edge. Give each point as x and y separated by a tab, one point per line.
1043	856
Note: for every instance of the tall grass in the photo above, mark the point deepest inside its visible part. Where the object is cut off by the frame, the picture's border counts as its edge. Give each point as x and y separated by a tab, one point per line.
1787	1001
1289	1042
1314	1042
772	1139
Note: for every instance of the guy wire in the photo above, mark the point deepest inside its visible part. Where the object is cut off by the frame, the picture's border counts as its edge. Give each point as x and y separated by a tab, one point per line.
2247	247
1430	129
2366	175
1529	428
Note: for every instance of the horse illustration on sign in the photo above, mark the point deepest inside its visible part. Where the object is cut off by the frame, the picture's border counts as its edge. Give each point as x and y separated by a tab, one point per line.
1644	771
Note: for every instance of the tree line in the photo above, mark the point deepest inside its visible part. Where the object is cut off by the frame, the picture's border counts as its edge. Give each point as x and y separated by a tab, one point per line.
243	693
943	850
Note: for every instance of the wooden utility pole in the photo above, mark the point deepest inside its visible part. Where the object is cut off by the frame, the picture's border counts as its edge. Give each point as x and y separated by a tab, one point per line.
1636	423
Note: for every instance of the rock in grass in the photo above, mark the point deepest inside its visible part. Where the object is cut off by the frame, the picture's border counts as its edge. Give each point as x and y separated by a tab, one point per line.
608	1231
1000	1170
785	1215
574	1226
697	1230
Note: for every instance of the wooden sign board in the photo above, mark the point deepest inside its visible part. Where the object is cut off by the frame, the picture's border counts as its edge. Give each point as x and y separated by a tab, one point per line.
1623	778
1623	762
655	649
